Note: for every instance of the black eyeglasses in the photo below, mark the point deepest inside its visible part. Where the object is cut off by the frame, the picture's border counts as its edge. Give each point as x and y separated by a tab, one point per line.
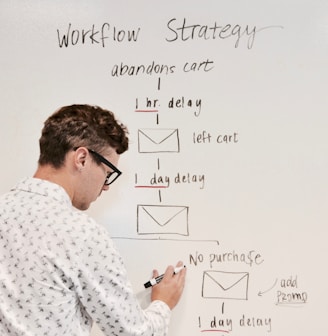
112	176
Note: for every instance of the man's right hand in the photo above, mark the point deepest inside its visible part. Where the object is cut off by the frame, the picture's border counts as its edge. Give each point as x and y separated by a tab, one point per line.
170	289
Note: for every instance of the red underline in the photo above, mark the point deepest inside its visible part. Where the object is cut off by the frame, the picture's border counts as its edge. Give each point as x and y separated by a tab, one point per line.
215	330
146	110
153	187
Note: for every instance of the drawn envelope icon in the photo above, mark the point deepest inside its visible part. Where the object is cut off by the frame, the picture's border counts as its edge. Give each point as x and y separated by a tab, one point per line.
225	285
162	219
158	140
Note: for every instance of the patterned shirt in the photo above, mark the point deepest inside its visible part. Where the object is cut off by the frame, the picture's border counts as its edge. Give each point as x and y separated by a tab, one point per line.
59	271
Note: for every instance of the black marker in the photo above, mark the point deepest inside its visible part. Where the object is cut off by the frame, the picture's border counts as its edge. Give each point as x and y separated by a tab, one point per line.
154	281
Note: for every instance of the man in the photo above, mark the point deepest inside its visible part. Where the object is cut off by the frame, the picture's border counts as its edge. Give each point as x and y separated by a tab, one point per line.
59	270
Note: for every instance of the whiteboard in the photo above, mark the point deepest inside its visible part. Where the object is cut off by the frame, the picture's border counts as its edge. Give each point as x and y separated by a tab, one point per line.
226	103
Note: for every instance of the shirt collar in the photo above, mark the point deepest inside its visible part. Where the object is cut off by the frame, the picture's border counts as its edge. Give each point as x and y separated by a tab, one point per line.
44	188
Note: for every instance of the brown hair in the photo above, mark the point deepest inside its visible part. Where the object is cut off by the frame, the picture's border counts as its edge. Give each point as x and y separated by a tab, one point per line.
80	125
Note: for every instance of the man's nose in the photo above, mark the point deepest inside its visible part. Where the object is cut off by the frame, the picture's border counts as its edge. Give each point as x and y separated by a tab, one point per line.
105	187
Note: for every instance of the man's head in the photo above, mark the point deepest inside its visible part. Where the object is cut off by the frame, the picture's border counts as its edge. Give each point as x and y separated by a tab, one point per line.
79	150
80	126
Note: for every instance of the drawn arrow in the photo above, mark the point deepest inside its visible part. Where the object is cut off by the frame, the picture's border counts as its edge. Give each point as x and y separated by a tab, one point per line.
268	290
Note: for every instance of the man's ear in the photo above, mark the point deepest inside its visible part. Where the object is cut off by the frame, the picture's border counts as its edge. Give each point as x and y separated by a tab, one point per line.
80	158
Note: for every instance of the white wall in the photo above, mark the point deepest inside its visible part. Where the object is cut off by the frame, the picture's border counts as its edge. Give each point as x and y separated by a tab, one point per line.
262	81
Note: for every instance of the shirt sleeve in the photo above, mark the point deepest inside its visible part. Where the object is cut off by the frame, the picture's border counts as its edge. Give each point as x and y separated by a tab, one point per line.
161	316
106	294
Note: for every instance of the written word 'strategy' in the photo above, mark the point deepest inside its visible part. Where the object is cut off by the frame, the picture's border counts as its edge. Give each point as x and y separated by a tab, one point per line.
177	30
